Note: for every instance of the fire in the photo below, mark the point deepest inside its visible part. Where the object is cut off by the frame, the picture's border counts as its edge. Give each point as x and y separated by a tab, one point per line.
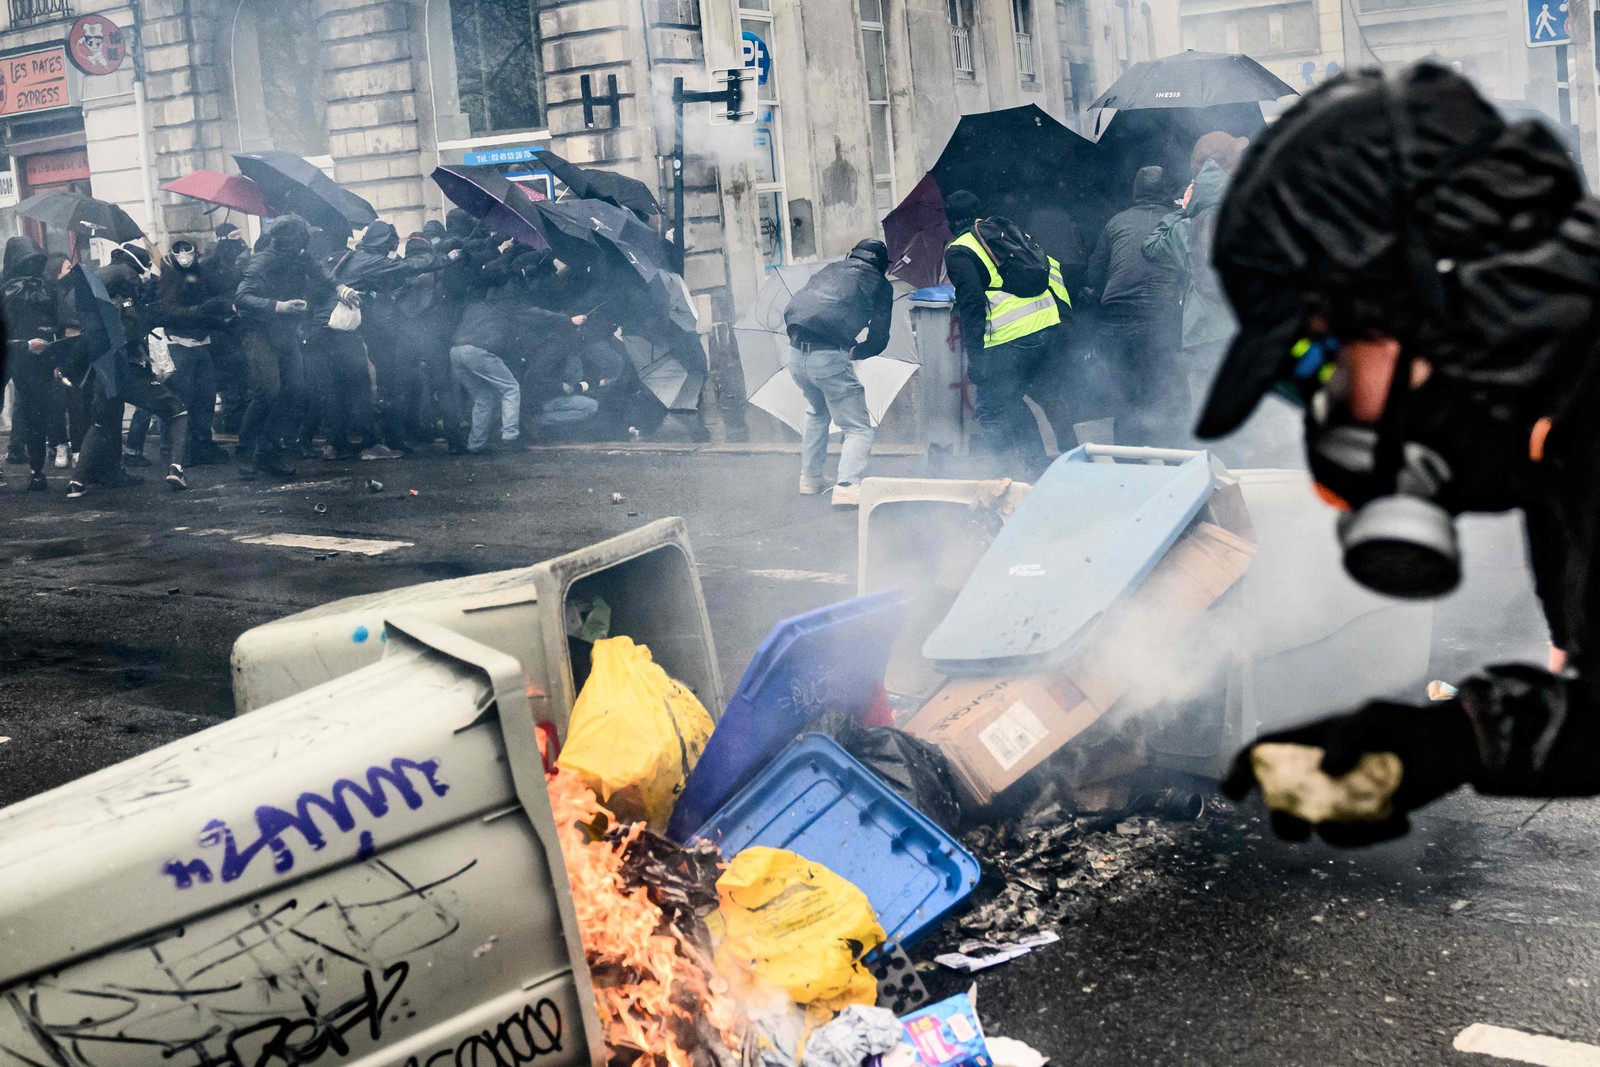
653	989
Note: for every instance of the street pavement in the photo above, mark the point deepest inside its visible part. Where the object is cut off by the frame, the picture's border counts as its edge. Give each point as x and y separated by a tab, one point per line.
1216	944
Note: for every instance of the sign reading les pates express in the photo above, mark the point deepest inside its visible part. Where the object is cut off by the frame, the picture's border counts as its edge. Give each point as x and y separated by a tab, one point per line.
33	81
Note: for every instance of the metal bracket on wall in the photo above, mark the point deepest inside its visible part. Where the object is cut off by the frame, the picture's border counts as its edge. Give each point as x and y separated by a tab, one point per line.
611	100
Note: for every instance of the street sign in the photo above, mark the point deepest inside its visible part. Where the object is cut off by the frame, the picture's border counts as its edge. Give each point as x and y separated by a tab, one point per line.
740	82
1547	23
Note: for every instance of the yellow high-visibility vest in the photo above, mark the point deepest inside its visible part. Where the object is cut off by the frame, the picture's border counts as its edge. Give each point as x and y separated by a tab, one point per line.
1010	318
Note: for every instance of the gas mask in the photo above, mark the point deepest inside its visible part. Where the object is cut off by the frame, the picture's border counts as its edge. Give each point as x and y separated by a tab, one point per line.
1440	449
184	259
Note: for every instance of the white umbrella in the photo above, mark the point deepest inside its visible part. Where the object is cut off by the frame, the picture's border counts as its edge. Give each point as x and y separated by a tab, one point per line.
764	343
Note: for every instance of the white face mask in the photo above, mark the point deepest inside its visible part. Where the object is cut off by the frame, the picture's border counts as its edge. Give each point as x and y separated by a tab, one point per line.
184	259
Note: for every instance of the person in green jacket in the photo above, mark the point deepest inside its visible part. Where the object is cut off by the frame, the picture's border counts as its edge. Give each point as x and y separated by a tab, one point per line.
1182	242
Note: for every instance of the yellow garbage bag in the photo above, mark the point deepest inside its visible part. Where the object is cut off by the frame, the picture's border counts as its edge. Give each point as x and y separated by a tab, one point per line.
635	734
795	925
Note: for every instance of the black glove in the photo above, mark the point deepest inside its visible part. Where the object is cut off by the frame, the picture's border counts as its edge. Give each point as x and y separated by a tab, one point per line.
1437	753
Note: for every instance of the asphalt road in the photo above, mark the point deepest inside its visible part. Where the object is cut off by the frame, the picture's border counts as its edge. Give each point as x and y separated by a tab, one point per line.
1212	943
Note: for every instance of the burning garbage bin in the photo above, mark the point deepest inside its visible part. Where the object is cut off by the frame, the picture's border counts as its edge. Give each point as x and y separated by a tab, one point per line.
544	616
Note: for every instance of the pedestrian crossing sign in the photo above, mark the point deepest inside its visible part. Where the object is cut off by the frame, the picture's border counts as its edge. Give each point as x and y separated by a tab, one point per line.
1547	23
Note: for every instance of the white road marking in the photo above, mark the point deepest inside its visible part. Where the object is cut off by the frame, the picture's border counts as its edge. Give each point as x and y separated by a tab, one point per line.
325	544
819	577
295	487
1526	1048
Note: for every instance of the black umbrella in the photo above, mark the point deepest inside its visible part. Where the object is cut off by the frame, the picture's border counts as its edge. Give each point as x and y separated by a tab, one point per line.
622	240
502	206
1193	79
1025	165
589	183
102	336
65	210
292	184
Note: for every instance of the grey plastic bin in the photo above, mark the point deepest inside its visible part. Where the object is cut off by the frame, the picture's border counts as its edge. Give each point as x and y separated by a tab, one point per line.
647	576
364	873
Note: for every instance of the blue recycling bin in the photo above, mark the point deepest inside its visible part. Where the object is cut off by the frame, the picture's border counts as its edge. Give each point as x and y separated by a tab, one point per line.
831	659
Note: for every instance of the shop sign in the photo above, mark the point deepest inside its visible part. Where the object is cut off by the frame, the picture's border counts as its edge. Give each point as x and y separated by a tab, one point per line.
33	81
493	156
57	168
8	189
96	45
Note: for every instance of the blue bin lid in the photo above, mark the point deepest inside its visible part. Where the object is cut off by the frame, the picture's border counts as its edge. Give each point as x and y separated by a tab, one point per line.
1084	538
935	294
818	801
830	659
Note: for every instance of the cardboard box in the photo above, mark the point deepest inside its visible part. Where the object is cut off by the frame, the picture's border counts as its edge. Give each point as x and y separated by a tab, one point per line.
993	731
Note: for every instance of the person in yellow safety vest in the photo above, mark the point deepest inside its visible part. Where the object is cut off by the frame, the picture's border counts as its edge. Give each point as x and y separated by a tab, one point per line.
1008	339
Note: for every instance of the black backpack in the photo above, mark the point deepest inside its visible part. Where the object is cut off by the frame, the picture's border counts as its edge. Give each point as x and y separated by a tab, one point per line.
1023	266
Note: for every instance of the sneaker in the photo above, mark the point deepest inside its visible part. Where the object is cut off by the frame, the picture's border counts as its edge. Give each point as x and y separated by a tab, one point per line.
37	482
381	451
847	495
63	457
134	459
75	489
276	466
335	452
175	478
812	484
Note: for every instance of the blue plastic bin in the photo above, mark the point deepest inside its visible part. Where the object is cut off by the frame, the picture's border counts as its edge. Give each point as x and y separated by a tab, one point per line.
816	800
831	659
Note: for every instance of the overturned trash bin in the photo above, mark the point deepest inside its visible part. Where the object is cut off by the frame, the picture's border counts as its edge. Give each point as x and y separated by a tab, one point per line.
368	868
647	578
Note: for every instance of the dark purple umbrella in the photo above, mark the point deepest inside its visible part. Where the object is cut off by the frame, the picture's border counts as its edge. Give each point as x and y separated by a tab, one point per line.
916	233
501	205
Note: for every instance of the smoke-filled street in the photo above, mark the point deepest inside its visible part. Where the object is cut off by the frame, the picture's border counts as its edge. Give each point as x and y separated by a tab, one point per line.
1209	942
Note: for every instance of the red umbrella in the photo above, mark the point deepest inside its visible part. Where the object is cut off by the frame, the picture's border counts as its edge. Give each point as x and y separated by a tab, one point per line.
916	233
227	190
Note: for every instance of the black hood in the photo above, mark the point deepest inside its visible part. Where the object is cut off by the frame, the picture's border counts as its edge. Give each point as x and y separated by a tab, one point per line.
135	257
1150	186
459	224
23	259
872	251
380	239
289	233
1403	205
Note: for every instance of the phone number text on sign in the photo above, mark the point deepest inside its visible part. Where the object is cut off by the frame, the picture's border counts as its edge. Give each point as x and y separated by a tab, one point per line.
35	81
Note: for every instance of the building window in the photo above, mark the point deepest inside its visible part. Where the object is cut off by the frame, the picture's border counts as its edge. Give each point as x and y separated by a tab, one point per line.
961	37
1022	17
1273	30
277	78
772	198
880	125
499	68
1149	30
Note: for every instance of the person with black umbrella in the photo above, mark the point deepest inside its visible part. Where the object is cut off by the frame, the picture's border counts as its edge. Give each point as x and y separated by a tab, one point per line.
1139	315
1009	336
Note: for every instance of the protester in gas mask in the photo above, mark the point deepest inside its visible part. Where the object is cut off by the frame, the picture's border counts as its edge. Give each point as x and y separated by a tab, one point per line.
190	311
1425	280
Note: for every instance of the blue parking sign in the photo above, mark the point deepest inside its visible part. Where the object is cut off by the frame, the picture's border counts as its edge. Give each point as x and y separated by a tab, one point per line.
1547	23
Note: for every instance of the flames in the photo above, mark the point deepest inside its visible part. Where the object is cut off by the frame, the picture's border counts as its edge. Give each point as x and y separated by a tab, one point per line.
656	993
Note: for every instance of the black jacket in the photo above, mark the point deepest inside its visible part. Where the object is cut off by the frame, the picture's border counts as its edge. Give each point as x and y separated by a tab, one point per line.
1119	272
840	301
273	275
507	325
368	269
27	301
188	306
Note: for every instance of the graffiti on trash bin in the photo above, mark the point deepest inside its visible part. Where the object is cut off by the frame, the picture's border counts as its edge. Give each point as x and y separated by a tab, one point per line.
268	985
272	823
527	1035
810	691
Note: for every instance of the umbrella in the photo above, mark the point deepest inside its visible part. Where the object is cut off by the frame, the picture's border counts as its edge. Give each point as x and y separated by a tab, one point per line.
665	370
66	210
501	205
916	233
763	342
621	238
591	184
232	191
102	337
292	184
1030	168
1193	79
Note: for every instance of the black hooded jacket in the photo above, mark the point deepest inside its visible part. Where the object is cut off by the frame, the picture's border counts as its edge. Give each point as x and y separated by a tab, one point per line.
1125	280
27	301
368	269
276	272
188	307
841	300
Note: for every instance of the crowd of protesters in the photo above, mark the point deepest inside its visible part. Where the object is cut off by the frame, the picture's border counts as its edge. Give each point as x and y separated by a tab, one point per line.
310	349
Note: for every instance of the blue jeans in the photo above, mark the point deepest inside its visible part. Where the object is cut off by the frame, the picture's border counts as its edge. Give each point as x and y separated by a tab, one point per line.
487	380
827	378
